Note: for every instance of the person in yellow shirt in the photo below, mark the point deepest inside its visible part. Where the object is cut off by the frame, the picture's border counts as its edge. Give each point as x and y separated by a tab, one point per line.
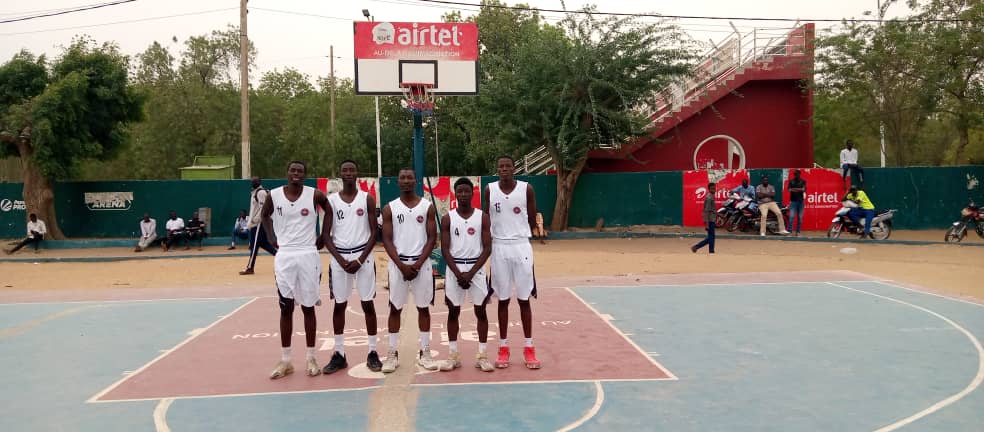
865	208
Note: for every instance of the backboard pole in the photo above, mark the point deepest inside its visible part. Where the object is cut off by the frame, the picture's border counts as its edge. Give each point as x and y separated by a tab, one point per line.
418	150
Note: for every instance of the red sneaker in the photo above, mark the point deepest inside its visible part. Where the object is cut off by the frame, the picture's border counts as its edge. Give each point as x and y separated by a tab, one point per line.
529	357
502	361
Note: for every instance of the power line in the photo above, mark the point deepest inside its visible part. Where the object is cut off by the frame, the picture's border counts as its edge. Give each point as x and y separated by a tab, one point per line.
37	11
634	14
68	11
120	22
300	13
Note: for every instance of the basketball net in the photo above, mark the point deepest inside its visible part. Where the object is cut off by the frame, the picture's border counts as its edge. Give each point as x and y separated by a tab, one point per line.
419	97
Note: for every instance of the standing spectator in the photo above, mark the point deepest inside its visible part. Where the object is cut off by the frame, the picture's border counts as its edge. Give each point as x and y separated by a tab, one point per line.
195	231
240	229
36	229
175	227
766	194
257	235
849	162
148	232
797	188
710	217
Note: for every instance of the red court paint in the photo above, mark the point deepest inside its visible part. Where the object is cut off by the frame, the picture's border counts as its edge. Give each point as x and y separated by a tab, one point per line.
235	356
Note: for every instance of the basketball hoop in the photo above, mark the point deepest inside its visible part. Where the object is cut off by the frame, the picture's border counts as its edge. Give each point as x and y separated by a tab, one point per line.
419	97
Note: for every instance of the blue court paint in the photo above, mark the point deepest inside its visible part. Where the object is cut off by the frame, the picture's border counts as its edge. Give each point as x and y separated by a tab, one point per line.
793	357
337	411
502	407
54	367
20	314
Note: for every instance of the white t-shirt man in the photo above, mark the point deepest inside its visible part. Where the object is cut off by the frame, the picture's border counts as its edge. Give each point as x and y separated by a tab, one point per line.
38	227
175	224
849	157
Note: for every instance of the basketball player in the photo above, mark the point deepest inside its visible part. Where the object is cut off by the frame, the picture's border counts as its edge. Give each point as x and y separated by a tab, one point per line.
466	243
511	206
409	234
349	235
292	211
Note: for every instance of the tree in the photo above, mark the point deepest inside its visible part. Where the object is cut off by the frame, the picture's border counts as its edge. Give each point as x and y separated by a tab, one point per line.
951	62
872	66
576	86
53	118
287	84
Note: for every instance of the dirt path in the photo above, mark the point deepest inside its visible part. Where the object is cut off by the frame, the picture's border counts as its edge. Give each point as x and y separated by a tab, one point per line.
951	269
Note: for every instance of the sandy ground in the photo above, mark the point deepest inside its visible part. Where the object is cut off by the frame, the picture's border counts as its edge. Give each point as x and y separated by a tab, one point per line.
951	269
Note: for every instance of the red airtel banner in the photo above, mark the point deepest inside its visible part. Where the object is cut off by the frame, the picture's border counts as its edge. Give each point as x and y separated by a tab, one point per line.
695	189
417	41
824	191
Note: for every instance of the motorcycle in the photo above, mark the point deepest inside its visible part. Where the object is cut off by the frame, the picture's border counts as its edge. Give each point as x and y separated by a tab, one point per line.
748	218
727	210
970	215
881	224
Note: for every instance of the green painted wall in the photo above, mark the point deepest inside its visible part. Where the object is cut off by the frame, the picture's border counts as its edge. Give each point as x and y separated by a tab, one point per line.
926	197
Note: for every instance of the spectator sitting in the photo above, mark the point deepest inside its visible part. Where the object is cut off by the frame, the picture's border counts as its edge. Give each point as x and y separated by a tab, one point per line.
148	232
195	230
36	229
240	229
849	164
175	227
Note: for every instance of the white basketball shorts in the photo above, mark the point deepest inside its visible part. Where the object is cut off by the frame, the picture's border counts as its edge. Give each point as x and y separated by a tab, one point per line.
298	275
342	282
477	293
422	286
512	269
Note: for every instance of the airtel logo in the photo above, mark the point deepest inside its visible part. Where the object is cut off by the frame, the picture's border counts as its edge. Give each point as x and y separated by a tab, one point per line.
822	198
387	33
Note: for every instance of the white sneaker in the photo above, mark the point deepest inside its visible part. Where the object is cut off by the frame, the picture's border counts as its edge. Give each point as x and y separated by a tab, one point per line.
425	361
392	361
784	232
281	370
453	362
312	367
762	234
482	362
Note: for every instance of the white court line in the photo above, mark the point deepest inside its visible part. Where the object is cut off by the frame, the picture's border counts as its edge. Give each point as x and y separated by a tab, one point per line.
274	393
161	356
599	401
894	284
954	398
570	381
731	284
203	299
619	332
160	415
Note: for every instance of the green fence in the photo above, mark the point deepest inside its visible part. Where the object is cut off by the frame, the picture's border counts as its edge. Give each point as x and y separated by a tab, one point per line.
130	199
926	197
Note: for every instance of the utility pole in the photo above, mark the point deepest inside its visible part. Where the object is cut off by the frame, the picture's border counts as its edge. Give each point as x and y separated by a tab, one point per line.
244	89
379	145
881	96
331	96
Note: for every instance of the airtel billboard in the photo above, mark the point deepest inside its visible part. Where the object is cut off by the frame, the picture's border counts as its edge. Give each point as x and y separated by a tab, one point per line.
411	40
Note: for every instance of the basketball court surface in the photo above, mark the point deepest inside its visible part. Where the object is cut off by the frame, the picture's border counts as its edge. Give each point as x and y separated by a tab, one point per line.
799	351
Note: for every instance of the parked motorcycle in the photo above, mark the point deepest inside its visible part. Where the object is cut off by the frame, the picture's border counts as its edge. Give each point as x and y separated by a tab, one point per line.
970	215
727	210
748	218
881	224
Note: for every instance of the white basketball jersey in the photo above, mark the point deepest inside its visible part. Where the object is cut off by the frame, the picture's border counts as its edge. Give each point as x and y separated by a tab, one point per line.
350	228
295	223
510	220
466	236
409	227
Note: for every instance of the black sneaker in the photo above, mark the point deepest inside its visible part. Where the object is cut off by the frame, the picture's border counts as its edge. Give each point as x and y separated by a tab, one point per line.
336	364
373	363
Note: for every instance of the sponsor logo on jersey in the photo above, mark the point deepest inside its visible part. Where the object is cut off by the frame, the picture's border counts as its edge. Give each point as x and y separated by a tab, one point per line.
360	212
304	212
420	219
517	210
471	230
